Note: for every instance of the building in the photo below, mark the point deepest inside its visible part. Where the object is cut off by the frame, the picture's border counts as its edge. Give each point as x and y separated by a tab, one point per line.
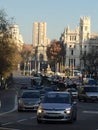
71	39
14	33
78	42
40	42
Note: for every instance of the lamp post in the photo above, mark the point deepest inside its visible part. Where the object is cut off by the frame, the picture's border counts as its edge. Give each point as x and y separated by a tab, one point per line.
24	67
29	65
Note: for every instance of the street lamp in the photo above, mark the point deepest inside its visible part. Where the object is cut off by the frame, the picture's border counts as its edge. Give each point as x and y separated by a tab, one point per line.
24	67
29	65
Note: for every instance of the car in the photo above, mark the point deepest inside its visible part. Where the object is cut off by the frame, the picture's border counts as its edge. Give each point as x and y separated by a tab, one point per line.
42	93
89	81
36	83
88	93
57	106
28	100
73	91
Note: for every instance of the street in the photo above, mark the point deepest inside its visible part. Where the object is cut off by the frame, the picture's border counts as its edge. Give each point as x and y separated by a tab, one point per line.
14	120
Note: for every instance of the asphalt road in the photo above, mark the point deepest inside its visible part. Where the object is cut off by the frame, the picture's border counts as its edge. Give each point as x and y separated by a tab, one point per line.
11	119
87	120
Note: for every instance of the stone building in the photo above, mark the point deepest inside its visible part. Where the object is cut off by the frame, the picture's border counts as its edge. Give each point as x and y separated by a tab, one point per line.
40	42
15	33
77	42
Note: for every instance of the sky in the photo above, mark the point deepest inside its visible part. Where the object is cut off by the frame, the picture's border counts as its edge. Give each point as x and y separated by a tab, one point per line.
56	13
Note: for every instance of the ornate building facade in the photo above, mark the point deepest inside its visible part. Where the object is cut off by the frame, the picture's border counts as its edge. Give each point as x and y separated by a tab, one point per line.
77	42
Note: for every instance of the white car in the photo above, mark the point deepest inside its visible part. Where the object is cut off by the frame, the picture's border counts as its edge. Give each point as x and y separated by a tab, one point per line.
29	100
57	106
73	91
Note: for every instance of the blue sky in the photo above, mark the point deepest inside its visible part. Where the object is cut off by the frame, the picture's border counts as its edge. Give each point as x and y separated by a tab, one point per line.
56	13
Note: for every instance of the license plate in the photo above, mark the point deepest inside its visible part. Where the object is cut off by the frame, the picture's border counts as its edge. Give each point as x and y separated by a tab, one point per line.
53	115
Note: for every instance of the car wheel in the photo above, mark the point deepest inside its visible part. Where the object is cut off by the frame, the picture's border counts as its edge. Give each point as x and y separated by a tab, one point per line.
72	119
79	99
19	110
85	100
39	121
75	117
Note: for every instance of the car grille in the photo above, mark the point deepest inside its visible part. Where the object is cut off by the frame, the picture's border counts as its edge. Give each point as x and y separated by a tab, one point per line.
29	103
53	116
53	109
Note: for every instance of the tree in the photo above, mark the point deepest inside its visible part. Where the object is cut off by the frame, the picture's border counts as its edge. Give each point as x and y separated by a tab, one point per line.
56	53
3	22
90	60
26	54
9	54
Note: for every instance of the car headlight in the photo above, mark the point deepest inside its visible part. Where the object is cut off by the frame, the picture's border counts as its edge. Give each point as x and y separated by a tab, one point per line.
68	110
40	110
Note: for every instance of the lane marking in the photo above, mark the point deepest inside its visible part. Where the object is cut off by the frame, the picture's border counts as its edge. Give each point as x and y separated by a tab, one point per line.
33	117
22	120
2	128
17	121
91	112
8	123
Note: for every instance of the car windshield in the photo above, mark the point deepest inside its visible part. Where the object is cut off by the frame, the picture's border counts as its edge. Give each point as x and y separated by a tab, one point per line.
36	81
31	95
72	90
91	89
56	98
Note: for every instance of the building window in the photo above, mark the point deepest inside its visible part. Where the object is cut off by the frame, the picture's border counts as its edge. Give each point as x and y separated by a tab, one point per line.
75	38
71	52
70	38
74	63
85	46
81	28
85	28
69	62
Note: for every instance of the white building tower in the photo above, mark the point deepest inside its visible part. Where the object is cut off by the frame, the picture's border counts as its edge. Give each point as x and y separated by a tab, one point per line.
85	32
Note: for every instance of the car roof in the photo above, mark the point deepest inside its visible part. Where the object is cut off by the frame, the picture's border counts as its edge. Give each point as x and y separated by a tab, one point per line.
71	89
30	90
90	86
63	92
36	78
